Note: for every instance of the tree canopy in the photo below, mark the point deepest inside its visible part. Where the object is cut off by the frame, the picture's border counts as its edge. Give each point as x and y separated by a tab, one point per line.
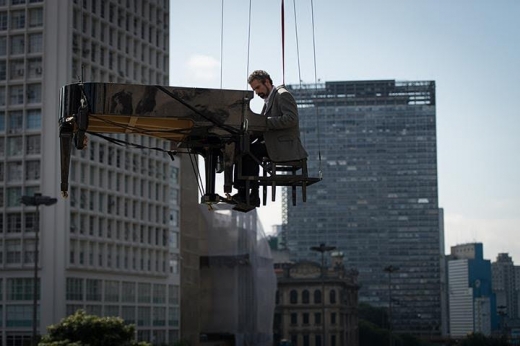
81	329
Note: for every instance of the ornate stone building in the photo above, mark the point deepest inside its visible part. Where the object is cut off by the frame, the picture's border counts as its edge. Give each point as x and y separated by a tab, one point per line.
304	314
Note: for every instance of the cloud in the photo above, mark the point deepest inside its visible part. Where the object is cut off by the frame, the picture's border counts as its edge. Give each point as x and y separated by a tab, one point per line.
202	70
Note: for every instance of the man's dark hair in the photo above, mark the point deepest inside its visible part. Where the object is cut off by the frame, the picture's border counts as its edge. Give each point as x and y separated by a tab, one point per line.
259	75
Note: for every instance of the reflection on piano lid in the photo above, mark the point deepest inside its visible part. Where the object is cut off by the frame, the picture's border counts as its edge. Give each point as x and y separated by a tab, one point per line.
172	113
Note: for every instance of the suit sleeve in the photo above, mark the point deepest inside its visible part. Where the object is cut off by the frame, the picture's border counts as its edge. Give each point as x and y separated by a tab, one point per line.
286	113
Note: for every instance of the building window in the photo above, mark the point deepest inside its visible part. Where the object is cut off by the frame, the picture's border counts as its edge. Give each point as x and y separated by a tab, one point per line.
13	251
159	316
16	94
34	93
3	20
294	318
305	318
74	289
173	317
14	194
35	43
20	289
173	294
111	291
143	316
317	340
129	292
317	297
34	119
93	290
29	247
34	67
332	296
32	170
17	44
159	293
18	315
333	318
293	297
305	297
15	122
33	144
14	223
14	171
35	17
317	318
306	340
128	314
18	19
17	69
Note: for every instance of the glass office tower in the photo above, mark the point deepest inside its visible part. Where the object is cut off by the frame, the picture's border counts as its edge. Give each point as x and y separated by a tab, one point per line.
111	247
375	144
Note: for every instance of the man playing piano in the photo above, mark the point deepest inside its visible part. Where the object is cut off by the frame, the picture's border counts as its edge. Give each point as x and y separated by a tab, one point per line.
281	140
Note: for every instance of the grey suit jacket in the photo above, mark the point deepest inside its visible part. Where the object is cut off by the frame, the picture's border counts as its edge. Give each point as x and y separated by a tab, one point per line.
282	138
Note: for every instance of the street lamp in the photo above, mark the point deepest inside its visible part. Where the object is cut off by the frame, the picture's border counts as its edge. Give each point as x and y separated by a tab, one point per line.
390	269
36	201
323	248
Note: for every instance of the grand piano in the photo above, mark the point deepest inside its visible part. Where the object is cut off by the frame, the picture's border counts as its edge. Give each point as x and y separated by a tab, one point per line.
214	123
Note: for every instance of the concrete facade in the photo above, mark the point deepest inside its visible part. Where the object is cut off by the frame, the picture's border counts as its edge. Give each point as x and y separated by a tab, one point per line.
112	247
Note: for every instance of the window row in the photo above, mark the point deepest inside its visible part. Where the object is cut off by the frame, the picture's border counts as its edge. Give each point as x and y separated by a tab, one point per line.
142	316
10	196
137	74
306	318
19	171
20	120
79	289
122	231
110	256
17	251
119	206
123	19
18	222
123	183
305	297
20	44
19	94
21	18
18	289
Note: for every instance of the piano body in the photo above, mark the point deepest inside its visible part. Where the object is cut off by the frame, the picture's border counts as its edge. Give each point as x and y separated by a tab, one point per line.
214	123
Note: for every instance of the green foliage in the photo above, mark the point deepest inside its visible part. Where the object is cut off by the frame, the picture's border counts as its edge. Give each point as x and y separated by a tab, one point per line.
182	342
374	315
81	329
477	339
373	329
371	335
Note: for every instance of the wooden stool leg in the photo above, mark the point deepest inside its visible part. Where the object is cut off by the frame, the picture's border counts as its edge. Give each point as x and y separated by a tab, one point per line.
264	189
273	184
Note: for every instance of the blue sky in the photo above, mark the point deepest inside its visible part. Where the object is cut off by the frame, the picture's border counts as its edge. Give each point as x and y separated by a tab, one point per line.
471	49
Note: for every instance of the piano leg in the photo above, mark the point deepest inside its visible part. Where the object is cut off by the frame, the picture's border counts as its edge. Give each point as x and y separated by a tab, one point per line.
210	165
65	149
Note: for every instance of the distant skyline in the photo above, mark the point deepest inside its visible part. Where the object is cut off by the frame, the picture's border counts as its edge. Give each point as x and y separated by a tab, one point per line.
470	49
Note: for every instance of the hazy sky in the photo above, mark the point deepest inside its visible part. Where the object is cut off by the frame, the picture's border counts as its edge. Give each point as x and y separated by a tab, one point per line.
471	49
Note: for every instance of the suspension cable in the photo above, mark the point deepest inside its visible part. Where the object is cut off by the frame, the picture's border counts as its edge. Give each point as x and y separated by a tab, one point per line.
248	43
316	88
221	41
283	43
297	44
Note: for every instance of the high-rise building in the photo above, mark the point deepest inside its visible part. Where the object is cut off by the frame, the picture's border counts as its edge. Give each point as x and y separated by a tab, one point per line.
375	144
505	287
111	247
471	299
